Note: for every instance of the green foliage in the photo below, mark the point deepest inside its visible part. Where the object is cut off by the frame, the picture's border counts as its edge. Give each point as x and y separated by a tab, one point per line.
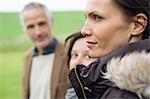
11	31
11	75
14	43
64	23
10	25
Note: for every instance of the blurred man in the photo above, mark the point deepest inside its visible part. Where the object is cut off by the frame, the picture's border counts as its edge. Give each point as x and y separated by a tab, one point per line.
45	74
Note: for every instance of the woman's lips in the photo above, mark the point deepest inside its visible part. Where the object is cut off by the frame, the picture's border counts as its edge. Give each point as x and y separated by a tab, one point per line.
91	44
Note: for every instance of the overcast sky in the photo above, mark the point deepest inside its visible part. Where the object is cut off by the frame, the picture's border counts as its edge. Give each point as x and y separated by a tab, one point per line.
53	5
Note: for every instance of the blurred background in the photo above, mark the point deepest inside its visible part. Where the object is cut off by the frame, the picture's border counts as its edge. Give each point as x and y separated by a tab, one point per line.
68	18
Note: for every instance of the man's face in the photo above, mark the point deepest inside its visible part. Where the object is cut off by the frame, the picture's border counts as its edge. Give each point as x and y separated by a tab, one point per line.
38	27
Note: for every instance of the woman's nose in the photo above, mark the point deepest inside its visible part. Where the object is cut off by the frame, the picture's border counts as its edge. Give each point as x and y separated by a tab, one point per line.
86	30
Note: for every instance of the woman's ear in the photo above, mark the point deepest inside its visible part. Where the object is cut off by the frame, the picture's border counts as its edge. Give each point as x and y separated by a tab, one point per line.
140	23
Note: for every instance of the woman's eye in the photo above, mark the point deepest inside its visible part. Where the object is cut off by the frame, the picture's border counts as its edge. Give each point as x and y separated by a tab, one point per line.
98	18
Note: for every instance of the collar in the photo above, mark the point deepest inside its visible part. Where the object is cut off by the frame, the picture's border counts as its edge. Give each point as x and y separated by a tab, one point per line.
50	49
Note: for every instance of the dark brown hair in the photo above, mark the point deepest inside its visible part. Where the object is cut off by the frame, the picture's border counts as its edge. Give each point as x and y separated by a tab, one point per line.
69	42
134	7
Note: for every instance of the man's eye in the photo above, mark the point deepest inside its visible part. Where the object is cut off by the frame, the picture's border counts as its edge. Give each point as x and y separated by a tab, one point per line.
85	17
42	23
30	26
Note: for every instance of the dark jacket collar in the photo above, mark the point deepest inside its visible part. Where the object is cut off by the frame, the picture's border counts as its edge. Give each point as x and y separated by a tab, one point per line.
100	66
94	72
50	49
136	46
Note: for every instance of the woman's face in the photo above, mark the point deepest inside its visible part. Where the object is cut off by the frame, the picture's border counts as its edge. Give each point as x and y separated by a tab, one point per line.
80	54
105	28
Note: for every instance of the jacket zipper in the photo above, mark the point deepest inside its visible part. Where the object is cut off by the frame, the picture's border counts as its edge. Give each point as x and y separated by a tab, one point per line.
80	83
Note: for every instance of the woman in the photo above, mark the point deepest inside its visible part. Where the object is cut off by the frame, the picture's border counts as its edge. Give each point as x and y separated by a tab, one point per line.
77	53
113	28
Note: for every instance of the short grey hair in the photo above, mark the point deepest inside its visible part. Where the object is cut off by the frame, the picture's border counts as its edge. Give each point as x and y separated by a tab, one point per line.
35	5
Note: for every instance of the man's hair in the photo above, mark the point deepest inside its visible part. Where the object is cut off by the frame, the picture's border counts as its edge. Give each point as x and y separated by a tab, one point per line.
32	5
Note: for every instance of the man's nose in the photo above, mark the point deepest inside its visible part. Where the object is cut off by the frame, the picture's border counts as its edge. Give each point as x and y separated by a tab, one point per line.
38	30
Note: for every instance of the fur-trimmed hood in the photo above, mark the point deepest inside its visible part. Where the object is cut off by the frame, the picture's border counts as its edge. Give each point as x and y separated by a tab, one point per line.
131	72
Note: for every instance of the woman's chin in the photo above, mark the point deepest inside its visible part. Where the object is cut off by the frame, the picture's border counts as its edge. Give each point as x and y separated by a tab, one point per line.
94	54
